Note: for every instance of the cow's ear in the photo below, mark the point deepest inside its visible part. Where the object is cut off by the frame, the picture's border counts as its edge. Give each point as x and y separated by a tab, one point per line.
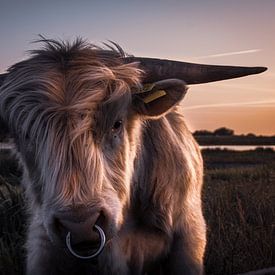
158	98
4	131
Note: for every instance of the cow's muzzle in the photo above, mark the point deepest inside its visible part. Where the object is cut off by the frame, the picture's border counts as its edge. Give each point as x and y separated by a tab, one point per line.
82	230
89	253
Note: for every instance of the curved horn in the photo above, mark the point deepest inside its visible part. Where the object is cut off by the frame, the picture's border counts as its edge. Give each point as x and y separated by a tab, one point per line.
191	73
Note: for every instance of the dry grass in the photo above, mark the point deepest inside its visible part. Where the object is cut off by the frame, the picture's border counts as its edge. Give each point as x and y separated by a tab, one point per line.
239	205
12	229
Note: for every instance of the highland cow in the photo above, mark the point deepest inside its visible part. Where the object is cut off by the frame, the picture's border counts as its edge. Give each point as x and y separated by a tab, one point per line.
112	175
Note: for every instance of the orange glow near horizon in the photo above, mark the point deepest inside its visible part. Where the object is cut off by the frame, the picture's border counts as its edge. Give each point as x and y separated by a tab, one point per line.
246	105
241	119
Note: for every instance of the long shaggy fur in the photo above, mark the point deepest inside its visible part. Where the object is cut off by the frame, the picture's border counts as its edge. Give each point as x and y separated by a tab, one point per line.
60	106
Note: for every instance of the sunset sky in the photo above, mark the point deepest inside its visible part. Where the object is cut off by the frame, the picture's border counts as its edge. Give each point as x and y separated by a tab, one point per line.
237	32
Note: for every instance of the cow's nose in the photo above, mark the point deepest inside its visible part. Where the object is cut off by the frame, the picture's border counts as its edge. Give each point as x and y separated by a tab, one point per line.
85	238
81	227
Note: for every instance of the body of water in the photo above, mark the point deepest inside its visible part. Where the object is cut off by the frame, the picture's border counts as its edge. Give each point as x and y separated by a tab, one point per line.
228	147
238	147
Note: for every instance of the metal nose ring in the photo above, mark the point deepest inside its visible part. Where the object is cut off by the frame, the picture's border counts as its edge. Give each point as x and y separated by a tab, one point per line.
95	254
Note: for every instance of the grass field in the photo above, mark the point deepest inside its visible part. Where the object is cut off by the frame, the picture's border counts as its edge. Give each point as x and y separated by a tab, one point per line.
239	206
239	203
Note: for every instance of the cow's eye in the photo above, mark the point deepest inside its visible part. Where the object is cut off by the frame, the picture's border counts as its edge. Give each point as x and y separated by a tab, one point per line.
117	126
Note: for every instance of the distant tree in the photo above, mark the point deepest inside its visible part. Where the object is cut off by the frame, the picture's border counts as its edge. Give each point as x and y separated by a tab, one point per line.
223	131
251	135
203	133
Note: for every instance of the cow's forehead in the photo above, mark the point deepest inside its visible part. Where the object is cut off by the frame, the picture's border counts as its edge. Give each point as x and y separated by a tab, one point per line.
61	86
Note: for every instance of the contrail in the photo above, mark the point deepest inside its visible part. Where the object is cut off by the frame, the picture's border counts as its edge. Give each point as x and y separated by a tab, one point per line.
233	104
229	53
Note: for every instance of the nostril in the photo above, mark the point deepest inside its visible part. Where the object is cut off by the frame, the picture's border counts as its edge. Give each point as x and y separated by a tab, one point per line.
59	228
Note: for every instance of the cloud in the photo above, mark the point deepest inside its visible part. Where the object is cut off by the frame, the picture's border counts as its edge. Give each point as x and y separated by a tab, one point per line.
263	103
228	54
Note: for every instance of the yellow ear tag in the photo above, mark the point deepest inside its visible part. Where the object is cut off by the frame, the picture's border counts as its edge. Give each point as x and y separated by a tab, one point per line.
154	96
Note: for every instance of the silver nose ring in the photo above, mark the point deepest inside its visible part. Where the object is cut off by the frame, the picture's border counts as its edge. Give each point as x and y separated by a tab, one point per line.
95	254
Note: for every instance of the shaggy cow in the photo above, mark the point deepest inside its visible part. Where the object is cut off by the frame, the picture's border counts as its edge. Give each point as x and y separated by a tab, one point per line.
112	175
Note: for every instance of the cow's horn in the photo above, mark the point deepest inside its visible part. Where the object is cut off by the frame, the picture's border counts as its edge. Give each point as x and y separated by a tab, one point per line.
191	73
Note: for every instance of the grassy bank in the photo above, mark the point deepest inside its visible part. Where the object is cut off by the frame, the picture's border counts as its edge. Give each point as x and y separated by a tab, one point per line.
239	203
235	140
238	198
12	229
